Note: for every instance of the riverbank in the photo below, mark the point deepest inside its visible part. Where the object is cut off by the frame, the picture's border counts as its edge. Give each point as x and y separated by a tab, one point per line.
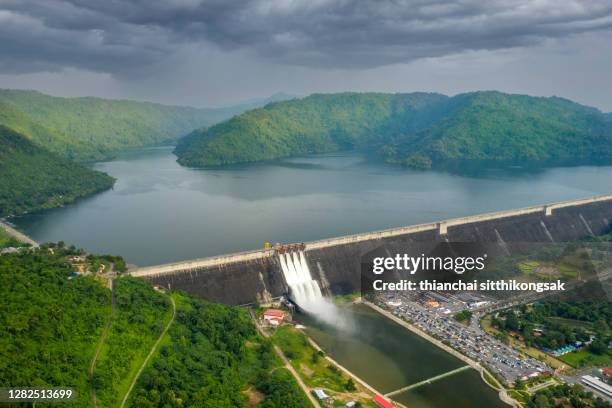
503	395
17	234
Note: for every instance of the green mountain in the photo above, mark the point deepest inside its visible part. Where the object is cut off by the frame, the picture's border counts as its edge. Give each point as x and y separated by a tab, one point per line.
316	124
51	326
501	127
33	178
417	129
89	129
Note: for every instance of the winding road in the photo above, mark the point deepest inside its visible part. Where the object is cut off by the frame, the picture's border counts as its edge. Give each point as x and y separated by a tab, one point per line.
153	349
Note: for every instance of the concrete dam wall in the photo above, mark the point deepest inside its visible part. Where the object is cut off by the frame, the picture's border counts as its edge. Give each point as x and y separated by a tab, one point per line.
256	276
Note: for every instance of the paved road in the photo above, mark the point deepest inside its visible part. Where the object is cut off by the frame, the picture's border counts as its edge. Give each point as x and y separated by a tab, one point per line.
144	363
287	363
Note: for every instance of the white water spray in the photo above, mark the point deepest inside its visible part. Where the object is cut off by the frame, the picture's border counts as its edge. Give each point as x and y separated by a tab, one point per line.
305	291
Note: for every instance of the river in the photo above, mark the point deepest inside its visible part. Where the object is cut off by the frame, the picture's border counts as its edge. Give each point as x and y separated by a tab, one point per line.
389	357
160	212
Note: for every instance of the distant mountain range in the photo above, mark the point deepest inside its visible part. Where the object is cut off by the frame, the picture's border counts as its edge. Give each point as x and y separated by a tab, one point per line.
93	129
42	139
416	129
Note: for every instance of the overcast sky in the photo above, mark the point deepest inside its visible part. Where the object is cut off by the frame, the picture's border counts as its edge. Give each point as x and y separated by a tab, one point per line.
218	52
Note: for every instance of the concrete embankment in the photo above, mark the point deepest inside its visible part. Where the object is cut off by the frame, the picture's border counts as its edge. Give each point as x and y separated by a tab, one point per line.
256	276
503	395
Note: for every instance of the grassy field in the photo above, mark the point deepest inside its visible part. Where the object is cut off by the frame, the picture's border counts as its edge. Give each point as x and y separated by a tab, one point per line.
7	240
316	371
582	358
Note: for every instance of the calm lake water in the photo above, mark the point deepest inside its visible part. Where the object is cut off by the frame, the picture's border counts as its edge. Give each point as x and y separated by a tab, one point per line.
160	212
388	357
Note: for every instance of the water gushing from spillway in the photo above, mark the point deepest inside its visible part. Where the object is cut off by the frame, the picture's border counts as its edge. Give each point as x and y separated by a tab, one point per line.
305	291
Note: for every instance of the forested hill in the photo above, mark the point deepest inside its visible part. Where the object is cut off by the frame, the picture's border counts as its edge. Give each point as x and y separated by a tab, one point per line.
417	129
89	129
52	323
33	178
316	124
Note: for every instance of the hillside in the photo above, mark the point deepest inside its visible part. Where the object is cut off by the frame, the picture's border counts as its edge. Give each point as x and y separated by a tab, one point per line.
315	124
34	179
52	326
418	130
514	128
89	129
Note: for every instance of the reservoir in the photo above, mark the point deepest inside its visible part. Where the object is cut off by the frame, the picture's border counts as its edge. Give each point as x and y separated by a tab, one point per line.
161	212
389	357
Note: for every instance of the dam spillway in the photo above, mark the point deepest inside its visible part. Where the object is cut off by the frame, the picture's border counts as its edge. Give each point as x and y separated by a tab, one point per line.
334	264
304	290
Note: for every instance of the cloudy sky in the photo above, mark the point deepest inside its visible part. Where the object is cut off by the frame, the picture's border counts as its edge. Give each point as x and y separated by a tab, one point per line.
218	52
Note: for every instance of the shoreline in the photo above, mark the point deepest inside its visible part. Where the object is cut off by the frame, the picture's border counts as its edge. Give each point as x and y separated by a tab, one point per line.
20	236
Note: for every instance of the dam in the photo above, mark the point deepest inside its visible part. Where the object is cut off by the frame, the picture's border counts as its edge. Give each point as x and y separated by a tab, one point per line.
335	264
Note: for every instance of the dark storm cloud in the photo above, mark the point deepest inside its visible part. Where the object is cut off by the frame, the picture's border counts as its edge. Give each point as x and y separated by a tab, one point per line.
123	37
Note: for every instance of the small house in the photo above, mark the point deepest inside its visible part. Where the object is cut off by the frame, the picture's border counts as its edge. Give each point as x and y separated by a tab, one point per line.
274	317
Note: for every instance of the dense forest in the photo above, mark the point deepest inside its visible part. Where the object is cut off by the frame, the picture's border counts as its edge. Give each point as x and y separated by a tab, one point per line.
552	324
34	179
233	363
90	129
49	325
52	322
418	130
316	124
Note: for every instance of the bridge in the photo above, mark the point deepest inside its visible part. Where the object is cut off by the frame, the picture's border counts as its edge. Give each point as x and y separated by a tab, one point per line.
440	227
428	381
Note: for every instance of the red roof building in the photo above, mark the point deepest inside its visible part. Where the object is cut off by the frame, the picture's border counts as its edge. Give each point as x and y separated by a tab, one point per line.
274	317
274	313
607	371
382	402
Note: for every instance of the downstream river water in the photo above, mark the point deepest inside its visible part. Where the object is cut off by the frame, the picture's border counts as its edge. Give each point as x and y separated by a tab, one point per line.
160	212
389	357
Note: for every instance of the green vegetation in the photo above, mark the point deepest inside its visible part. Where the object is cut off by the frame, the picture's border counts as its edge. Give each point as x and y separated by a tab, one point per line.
566	396
34	179
91	129
141	314
281	390
220	344
463	316
7	240
586	358
417	130
552	324
315	370
316	124
52	322
49	325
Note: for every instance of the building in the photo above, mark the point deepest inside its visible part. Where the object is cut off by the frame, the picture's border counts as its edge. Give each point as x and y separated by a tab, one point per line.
597	384
320	394
274	317
382	402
